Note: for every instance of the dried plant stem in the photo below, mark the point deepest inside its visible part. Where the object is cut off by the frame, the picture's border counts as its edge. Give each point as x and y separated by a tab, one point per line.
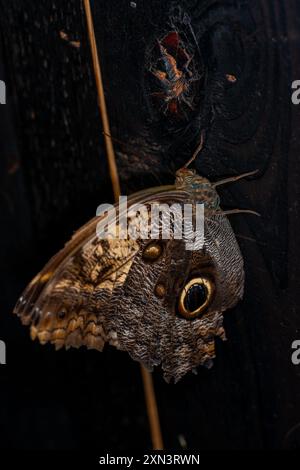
101	102
149	391
152	410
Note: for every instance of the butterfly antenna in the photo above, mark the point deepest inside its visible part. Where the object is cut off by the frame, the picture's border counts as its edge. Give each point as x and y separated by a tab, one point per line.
197	151
150	397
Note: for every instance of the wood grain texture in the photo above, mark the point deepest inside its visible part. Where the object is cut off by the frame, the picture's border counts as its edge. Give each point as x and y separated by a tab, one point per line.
250	399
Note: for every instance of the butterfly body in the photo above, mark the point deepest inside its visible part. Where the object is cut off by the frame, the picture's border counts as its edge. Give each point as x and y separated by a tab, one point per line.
154	299
200	188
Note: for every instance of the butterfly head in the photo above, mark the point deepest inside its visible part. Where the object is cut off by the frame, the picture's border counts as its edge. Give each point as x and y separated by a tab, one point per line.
198	186
187	178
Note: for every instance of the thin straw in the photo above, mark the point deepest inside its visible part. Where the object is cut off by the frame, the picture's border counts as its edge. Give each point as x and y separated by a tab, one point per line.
150	398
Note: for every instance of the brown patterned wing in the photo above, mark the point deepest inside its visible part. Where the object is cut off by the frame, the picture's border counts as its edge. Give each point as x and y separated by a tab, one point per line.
129	293
61	303
190	342
78	296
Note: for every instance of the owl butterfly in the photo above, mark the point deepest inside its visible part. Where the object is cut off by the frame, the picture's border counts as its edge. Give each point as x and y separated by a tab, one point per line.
155	299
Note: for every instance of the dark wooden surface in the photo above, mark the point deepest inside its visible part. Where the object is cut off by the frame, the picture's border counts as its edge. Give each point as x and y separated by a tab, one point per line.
54	174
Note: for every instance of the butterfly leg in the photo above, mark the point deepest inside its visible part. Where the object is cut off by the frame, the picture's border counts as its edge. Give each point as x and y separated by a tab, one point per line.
234	211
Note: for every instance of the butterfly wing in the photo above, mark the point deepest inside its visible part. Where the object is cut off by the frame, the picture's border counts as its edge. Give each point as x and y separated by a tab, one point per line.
187	344
222	246
78	297
61	302
105	291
